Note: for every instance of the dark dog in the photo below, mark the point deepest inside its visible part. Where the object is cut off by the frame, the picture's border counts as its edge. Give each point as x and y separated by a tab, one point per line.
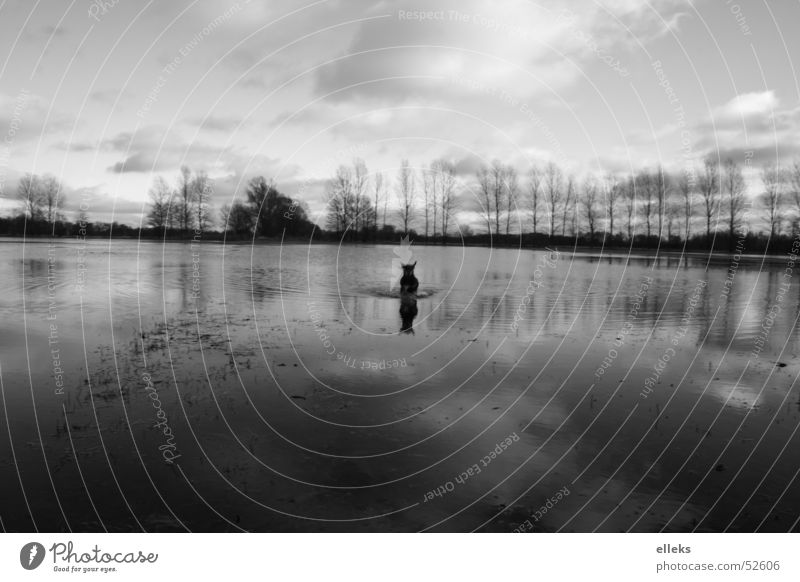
408	298
408	282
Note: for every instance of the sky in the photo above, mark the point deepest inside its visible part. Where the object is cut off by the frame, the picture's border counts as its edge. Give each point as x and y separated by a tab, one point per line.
109	94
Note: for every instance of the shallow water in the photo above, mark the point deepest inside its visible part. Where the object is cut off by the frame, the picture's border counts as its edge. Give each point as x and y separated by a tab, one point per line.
294	402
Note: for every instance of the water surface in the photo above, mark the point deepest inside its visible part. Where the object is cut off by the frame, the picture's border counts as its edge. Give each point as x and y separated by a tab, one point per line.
151	386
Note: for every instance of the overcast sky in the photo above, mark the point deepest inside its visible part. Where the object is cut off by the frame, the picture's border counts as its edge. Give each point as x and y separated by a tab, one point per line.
108	97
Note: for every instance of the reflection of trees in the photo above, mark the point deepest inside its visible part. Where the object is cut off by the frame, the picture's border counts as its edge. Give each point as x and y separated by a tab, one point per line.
408	311
702	312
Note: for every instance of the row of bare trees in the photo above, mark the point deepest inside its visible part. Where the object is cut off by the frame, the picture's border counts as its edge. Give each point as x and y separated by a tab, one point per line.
653	203
358	203
41	198
498	188
184	206
263	210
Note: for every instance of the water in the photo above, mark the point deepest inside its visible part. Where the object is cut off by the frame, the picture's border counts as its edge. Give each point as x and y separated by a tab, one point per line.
150	386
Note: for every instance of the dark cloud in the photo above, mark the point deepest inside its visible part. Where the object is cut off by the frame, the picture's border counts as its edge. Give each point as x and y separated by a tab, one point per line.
153	150
759	156
469	165
107	96
77	146
753	123
50	30
140	162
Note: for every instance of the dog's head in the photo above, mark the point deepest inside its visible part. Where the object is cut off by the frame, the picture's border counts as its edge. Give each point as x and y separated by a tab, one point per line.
409	269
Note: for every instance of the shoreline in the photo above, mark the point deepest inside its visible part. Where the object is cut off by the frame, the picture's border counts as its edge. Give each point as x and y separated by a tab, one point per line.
644	253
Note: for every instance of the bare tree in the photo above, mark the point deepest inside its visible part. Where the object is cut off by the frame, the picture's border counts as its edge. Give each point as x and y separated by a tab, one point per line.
612	189
630	204
406	194
429	184
160	198
485	200
335	220
708	187
202	189
498	173
772	198
553	191
448	196
512	195
360	181
794	185
173	216
672	212
645	189
685	189
734	187
184	199
435	171
339	199
385	199
661	188
52	197
29	194
379	189
535	194
569	203
589	204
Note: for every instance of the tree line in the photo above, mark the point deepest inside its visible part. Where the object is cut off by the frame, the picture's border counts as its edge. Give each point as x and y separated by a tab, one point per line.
653	207
176	210
707	206
185	207
358	204
701	207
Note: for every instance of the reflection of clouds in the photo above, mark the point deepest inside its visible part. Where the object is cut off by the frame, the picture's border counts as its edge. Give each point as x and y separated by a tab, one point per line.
733	394
472	386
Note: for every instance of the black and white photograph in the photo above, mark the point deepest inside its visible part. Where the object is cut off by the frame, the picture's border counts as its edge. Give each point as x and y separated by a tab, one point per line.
347	267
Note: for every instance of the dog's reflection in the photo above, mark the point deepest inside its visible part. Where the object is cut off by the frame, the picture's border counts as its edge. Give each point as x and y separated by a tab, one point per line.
408	298
408	311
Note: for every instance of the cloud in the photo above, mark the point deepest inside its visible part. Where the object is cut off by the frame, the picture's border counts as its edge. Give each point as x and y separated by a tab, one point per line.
745	107
468	165
106	96
154	149
140	162
754	122
646	21
23	115
51	30
452	85
751	126
400	57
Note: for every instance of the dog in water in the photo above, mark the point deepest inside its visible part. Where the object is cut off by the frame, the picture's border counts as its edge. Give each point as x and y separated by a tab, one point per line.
408	298
408	282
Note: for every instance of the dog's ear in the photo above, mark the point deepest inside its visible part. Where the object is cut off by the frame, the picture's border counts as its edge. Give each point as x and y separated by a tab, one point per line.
414	265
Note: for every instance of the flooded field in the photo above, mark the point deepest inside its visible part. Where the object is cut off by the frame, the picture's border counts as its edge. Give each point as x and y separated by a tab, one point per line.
150	386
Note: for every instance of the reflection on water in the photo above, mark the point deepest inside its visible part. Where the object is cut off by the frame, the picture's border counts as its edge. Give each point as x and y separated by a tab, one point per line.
296	405
408	311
